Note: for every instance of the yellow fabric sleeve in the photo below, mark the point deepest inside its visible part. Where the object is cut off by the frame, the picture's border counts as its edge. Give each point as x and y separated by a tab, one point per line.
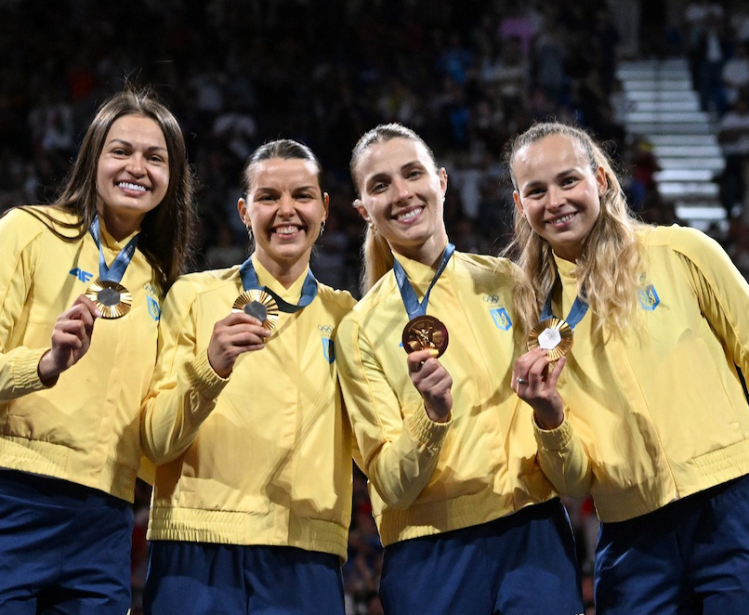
185	387
19	252
399	446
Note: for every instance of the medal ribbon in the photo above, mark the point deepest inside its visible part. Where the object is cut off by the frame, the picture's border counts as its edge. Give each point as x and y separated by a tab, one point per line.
115	271
309	288
410	300
577	313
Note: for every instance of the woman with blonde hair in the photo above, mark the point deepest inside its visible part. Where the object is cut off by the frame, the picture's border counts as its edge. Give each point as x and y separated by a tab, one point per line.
81	284
636	380
468	521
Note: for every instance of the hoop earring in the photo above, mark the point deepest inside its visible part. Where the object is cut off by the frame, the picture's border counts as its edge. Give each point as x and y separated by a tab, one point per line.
322	228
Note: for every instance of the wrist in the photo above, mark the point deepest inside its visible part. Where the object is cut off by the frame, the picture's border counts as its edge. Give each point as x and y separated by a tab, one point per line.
47	371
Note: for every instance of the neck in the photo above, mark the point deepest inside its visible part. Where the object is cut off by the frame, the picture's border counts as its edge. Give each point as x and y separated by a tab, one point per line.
118	226
286	272
427	253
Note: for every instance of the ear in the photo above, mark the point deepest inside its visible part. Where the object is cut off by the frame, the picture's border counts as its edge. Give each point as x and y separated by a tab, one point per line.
325	204
518	204
601	181
244	215
442	172
362	210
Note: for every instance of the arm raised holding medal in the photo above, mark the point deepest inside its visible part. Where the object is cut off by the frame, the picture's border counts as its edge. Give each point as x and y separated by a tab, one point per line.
232	336
432	382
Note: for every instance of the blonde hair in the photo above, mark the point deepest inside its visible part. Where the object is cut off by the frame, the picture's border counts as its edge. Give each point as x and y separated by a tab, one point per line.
376	252
611	266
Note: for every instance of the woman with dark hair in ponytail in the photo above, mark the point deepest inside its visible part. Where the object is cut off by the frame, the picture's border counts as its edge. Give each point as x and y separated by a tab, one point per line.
252	498
81	284
468	521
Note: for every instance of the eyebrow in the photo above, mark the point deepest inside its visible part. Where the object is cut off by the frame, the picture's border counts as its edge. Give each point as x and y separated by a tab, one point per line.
537	182
150	148
408	165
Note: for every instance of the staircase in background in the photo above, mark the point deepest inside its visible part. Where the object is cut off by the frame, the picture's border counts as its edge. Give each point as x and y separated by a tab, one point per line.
664	109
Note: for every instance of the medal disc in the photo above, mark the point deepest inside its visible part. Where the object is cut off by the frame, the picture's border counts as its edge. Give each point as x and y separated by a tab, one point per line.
112	299
425	332
258	304
554	335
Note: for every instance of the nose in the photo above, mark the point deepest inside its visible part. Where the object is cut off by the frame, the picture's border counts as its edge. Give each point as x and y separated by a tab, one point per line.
136	165
286	205
402	190
556	197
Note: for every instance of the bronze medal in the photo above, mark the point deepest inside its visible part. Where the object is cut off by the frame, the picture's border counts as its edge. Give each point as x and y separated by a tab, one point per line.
112	299
554	335
425	332
258	304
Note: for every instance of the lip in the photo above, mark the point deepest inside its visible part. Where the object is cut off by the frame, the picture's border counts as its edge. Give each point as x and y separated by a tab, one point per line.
287	236
124	186
407	210
563	220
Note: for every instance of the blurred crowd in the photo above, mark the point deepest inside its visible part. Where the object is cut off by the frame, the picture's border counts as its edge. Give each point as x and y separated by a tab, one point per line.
465	75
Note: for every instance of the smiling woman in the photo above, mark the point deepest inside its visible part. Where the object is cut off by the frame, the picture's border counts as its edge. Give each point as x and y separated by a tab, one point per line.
447	449
71	391
260	385
648	409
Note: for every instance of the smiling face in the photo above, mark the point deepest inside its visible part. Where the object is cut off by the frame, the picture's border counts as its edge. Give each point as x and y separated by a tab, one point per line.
402	194
132	173
558	192
285	208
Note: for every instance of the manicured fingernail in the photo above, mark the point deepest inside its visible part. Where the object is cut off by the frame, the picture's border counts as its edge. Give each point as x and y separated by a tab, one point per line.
434	352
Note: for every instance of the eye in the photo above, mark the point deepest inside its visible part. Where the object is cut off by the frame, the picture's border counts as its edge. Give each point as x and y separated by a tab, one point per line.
156	158
538	191
305	196
265	198
378	187
414	173
119	151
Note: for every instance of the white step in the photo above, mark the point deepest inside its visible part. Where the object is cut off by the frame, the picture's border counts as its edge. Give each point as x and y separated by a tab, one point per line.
685	151
664	106
716	164
684	140
684	175
651	95
706	211
688	190
665	85
663	128
690	117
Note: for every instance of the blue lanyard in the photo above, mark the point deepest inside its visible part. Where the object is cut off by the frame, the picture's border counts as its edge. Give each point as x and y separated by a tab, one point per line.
309	288
116	271
410	301
577	313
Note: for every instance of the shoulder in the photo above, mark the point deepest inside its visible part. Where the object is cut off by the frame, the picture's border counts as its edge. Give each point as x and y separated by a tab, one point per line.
190	286
341	299
689	242
485	264
20	226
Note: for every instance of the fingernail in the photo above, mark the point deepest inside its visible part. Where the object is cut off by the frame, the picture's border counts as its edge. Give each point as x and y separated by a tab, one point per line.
97	313
434	352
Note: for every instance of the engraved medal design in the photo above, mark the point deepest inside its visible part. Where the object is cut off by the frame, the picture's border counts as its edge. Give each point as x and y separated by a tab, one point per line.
258	304
425	332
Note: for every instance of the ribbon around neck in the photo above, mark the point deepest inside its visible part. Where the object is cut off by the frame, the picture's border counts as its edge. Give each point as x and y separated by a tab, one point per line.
576	314
116	271
413	306
309	288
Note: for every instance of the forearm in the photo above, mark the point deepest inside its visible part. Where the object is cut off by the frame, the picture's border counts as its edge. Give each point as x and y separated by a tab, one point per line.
564	460
175	410
19	373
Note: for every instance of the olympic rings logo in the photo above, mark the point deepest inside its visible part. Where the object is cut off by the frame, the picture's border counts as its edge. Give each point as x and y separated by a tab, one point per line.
491	299
325	329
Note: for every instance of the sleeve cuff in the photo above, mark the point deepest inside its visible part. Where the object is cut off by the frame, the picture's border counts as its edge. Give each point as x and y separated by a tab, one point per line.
553	439
26	372
425	430
201	375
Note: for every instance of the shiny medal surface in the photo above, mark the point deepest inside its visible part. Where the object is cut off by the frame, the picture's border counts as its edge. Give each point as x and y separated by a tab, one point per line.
258	304
425	332
112	299
554	335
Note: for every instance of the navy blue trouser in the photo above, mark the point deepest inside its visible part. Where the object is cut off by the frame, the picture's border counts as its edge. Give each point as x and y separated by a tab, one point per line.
64	548
690	557
522	564
215	579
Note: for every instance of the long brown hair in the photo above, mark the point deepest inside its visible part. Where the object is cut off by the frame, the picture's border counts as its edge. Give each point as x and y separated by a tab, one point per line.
166	231
611	265
376	252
